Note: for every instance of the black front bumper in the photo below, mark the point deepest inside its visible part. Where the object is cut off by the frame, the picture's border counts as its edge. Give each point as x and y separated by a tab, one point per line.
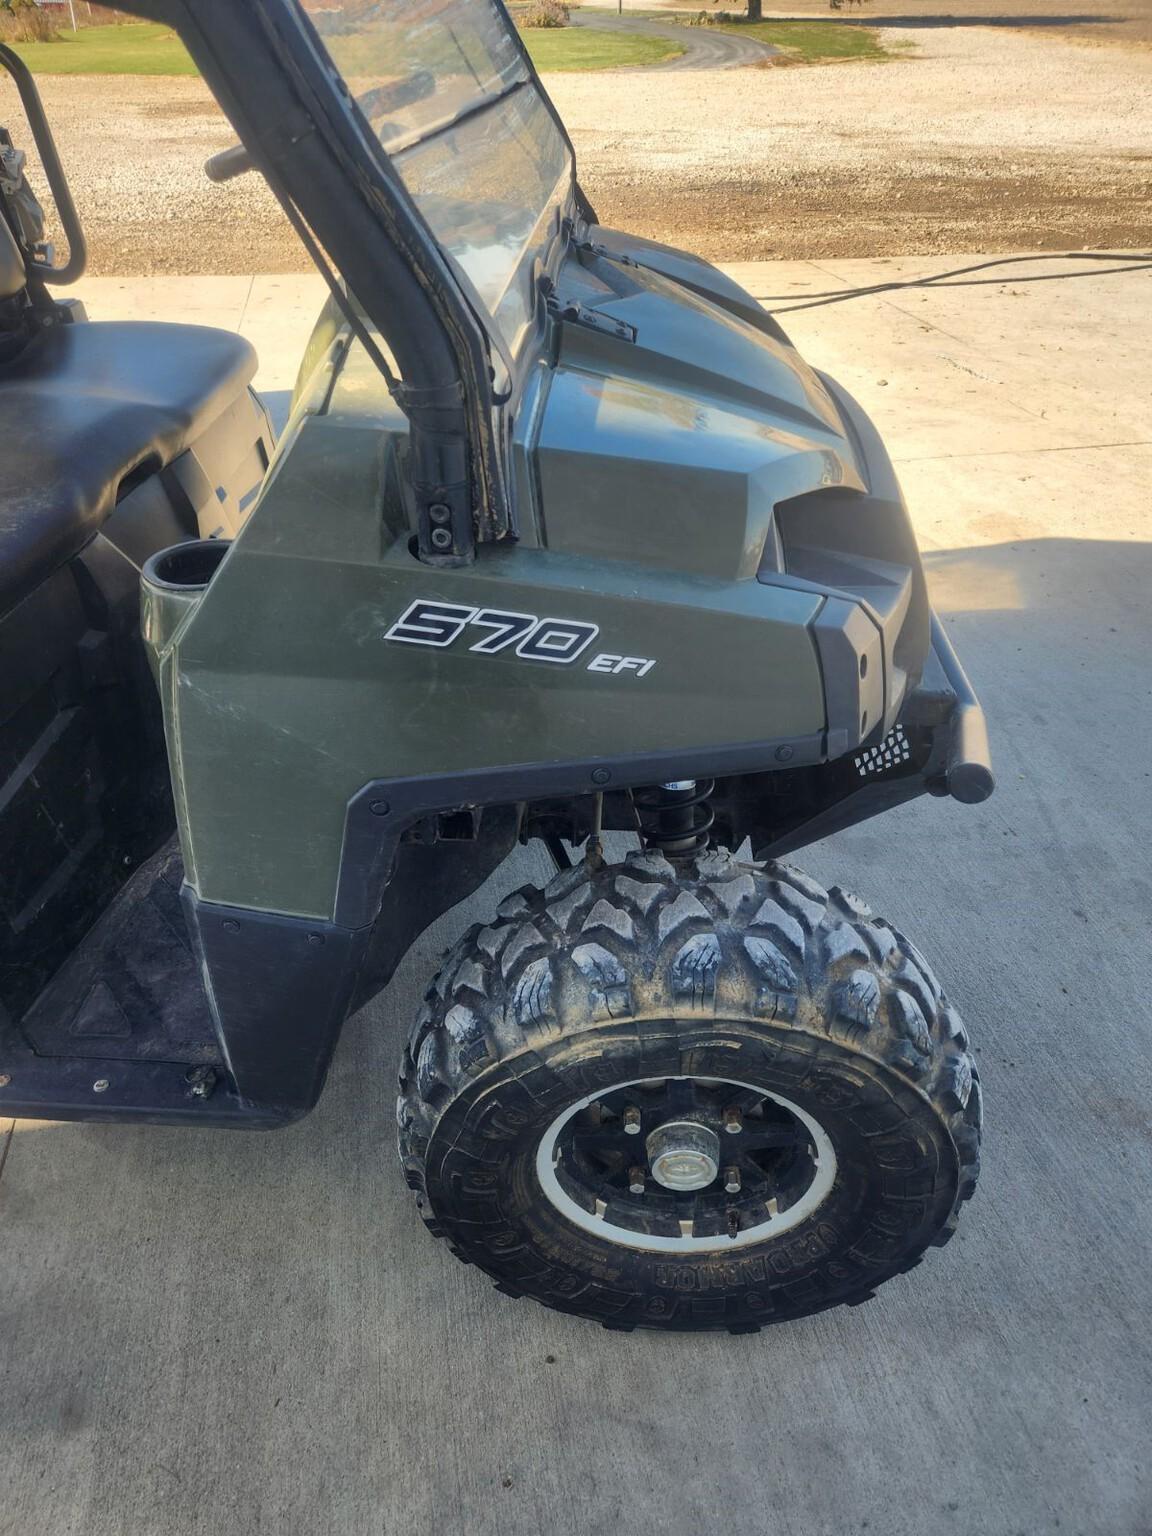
938	746
966	772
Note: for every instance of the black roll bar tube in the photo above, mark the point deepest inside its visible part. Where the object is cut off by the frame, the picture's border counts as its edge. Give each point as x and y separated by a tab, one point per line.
53	170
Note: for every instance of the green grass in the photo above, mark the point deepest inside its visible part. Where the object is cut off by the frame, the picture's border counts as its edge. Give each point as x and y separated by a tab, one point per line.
143	48
567	48
139	48
812	42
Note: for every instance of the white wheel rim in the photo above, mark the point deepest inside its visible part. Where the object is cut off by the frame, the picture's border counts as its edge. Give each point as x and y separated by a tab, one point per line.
824	1177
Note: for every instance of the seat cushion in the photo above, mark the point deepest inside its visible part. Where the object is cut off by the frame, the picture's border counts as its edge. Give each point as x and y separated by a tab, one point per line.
83	407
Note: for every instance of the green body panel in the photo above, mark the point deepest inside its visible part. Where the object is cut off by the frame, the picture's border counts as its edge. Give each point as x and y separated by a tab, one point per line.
271	747
646	485
674	450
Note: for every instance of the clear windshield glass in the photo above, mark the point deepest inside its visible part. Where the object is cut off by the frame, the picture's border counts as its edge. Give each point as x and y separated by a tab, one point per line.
445	88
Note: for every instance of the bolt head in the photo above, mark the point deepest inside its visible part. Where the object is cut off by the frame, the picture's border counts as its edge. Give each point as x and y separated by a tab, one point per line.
379	807
439	513
5	1079
201	1082
441	538
101	1085
601	775
785	754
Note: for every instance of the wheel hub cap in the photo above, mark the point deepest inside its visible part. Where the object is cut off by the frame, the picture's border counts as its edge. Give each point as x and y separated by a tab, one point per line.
683	1155
685	1164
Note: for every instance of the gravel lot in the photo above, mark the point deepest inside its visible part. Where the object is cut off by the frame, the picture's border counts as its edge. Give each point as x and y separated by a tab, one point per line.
976	139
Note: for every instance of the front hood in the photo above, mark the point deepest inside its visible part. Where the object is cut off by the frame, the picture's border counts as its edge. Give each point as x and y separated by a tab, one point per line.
677	416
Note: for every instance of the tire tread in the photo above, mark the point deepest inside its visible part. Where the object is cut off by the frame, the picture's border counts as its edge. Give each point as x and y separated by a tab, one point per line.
645	939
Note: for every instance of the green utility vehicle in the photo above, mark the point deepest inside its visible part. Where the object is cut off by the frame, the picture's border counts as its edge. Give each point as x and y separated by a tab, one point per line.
562	541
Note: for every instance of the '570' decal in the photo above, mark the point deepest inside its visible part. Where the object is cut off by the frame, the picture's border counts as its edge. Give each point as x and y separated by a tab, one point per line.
561	641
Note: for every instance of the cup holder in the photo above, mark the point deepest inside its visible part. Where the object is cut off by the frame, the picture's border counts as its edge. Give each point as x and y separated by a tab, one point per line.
171	585
183	566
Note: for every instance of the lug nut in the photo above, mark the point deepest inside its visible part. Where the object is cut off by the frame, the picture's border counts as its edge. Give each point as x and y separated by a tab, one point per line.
632	1120
732	1181
733	1120
635	1181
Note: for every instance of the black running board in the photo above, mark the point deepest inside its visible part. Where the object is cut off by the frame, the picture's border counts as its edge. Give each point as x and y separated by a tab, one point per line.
125	1030
147	1092
131	989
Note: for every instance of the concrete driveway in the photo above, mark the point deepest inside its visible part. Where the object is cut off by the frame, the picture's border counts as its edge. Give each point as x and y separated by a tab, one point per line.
227	1334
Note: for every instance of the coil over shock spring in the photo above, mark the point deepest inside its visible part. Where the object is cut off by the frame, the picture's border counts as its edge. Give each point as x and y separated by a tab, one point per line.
676	817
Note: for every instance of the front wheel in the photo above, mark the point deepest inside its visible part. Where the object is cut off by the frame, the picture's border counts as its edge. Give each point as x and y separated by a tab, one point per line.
705	1096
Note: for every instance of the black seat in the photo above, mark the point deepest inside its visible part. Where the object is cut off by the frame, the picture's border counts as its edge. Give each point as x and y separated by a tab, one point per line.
83	407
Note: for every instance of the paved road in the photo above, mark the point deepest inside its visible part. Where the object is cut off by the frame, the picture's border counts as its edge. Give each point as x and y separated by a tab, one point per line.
231	1334
704	47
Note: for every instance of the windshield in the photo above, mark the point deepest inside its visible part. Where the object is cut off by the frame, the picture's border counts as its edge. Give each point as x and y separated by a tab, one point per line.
444	85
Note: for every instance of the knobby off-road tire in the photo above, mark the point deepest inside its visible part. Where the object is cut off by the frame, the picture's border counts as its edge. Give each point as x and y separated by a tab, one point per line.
712	970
